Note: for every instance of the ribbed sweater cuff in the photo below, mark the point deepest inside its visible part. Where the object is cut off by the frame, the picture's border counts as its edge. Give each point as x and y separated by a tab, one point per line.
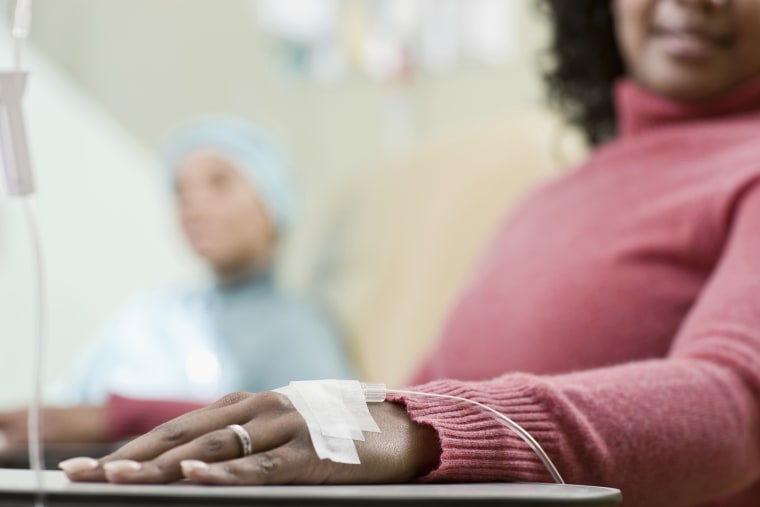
475	446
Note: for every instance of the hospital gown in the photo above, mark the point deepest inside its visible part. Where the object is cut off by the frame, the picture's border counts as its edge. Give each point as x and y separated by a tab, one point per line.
199	345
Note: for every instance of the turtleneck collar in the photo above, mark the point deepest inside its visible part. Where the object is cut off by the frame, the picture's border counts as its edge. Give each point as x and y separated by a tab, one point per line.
262	279
639	110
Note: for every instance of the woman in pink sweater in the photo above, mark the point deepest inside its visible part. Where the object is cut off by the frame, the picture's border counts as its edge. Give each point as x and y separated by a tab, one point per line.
615	315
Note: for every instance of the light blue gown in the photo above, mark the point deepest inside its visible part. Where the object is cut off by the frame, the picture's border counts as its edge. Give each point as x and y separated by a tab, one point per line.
200	345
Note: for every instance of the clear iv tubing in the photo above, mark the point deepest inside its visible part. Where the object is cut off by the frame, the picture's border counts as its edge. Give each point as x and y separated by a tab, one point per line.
22	19
35	440
377	392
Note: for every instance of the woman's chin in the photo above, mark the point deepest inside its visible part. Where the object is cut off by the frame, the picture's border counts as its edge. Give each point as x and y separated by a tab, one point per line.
682	88
208	254
686	83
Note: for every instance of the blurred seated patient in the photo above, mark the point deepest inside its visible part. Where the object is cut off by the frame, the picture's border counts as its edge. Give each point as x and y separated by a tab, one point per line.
167	351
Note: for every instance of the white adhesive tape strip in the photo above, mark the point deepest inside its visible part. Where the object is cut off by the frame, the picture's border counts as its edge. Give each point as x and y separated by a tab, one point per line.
327	406
336	415
340	450
356	403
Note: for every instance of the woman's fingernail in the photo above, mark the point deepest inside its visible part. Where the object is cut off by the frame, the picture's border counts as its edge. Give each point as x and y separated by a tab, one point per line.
122	466
76	465
3	441
193	465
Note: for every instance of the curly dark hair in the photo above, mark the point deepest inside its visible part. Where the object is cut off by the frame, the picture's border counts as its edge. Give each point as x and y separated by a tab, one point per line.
584	63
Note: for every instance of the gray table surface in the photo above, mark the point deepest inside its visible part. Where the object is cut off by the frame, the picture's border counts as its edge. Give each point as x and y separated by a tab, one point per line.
18	487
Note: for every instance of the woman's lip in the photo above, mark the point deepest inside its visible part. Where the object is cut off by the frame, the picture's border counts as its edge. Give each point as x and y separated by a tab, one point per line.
689	44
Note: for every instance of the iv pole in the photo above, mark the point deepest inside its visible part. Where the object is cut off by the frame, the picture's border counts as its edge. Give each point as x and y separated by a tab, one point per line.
20	183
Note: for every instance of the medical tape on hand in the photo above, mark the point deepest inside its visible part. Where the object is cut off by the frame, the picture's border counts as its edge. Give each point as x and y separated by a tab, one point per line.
336	414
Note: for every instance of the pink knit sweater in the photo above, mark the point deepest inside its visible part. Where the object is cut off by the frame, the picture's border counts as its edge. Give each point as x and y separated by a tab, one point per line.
616	316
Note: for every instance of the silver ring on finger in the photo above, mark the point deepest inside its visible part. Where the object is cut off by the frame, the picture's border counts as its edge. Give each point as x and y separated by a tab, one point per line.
244	437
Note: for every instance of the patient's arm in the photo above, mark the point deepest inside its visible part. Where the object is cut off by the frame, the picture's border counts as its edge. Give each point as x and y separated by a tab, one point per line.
80	425
120	418
127	417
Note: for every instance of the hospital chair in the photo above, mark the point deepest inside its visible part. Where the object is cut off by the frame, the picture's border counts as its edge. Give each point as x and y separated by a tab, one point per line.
404	237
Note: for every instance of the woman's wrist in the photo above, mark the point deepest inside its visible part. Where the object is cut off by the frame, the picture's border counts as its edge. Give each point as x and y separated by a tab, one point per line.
418	444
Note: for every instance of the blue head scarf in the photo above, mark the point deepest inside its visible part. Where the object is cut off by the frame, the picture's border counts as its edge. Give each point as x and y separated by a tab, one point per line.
252	152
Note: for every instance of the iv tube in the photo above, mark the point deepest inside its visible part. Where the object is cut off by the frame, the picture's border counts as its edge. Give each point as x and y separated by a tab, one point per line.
22	20
35	440
375	393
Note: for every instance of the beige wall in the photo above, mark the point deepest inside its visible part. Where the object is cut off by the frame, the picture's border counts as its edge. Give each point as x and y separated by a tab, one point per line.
139	67
154	62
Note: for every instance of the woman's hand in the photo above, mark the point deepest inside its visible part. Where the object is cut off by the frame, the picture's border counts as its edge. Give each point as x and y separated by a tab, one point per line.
199	447
78	425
